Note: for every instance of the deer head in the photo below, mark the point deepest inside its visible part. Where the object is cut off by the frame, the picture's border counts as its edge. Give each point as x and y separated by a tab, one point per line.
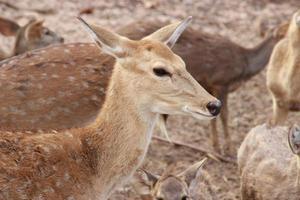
33	36
294	139
159	80
169	186
294	27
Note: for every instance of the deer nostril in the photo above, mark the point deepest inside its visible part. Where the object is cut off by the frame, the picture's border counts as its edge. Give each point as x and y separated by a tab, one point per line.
214	107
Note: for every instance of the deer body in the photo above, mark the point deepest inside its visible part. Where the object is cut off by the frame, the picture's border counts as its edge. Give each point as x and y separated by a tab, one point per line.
284	72
267	166
86	163
31	36
90	162
58	87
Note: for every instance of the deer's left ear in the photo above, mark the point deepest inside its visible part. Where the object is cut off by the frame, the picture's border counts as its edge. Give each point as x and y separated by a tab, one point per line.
192	172
33	30
147	178
169	34
110	42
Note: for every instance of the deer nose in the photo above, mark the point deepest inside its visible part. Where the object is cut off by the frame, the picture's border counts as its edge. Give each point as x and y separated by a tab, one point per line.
214	107
62	40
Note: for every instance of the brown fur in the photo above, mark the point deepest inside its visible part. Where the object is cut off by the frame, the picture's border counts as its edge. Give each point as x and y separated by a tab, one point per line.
31	36
267	166
90	162
283	74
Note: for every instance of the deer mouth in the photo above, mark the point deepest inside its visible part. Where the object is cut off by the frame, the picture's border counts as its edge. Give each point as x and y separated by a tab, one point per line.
197	114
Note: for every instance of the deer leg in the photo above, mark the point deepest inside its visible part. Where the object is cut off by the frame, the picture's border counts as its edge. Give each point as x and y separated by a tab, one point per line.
224	117
280	112
214	135
214	132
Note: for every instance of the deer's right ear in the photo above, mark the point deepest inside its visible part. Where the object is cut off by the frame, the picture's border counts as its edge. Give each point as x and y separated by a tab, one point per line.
170	34
8	28
294	139
281	30
147	178
33	30
192	172
110	42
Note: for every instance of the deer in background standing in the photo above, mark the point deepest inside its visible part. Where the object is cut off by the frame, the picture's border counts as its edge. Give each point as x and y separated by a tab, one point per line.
283	74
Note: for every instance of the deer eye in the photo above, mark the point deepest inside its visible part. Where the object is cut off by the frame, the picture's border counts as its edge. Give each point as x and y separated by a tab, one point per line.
46	32
184	198
161	72
159	198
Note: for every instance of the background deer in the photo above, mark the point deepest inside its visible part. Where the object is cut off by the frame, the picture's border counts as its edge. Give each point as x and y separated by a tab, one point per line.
192	183
90	162
283	73
268	167
31	36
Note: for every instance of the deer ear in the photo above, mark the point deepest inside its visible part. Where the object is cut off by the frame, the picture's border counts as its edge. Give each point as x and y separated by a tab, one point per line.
297	18
147	178
294	139
110	42
8	27
33	29
192	172
281	30
169	34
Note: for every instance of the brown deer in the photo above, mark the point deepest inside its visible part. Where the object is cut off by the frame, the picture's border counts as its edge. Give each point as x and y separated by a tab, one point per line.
268	166
283	73
191	184
219	71
31	36
148	80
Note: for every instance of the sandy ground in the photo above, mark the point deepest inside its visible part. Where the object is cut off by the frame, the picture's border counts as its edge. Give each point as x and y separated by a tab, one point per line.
238	20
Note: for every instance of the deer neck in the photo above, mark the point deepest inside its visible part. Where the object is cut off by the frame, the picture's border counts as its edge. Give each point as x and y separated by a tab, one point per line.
258	57
294	41
119	137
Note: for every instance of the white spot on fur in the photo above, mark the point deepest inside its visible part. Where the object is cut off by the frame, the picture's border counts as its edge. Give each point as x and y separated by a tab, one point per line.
67	51
39	86
85	84
71	78
55	76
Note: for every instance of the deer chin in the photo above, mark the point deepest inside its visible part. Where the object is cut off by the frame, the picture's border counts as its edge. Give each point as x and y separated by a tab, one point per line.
198	114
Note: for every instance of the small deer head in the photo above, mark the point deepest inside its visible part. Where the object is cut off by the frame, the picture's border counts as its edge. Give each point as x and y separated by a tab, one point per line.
294	139
297	18
33	36
154	74
280	31
171	187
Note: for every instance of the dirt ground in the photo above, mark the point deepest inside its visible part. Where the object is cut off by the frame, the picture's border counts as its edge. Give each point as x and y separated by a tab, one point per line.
238	20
